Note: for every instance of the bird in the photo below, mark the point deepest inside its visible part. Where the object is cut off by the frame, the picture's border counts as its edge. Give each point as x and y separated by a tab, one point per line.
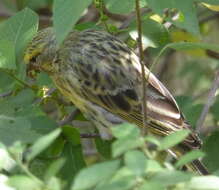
102	77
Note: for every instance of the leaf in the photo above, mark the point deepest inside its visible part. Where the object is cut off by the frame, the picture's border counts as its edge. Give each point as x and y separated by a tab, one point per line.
126	143
190	156
169	177
187	46
42	143
54	168
124	130
154	34
73	155
121	6
19	29
7	55
187	18
153	166
21	182
54	184
6	162
6	82
16	129
152	186
204	183
210	147
65	14
103	147
173	139
136	162
96	173
124	183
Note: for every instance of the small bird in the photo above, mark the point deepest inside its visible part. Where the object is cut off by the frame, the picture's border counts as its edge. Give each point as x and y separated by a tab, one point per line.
102	76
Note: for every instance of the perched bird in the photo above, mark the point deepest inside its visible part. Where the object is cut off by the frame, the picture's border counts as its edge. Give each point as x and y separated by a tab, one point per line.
101	75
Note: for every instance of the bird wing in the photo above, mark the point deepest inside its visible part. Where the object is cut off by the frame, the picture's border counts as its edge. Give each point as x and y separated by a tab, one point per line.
110	76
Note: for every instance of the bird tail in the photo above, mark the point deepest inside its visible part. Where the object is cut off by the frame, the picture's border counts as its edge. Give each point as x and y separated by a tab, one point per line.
198	166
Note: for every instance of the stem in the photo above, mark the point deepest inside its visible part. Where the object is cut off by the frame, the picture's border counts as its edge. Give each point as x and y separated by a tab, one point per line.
210	101
141	54
18	80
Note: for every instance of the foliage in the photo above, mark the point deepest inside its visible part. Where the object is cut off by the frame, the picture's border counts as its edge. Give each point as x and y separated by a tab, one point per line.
38	152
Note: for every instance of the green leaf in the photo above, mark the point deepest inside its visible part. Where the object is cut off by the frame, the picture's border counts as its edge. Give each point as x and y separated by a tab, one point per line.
6	162
121	6
168	177
136	162
54	168
7	55
153	166
73	155
66	14
124	183
190	156
54	184
44	80
124	130
215	109
154	34
19	29
103	147
187	19
21	182
187	46
6	82
42	143
126	143
152	186
210	147
204	183
173	139
16	129
96	173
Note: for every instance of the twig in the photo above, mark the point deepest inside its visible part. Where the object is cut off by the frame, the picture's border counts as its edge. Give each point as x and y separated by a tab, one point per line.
18	80
141	54
69	118
48	93
89	135
211	17
210	101
5	94
41	17
130	17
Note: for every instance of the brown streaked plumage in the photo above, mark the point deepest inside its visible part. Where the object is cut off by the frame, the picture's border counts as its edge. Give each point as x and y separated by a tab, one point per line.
102	77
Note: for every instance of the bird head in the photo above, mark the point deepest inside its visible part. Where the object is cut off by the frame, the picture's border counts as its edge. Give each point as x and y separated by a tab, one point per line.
40	52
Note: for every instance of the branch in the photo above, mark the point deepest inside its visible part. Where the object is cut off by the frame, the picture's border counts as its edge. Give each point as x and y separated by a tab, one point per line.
5	94
89	135
69	118
141	54
211	17
210	101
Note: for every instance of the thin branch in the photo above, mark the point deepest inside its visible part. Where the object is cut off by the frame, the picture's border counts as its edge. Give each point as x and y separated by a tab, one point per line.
130	17
48	93
5	94
210	101
18	80
41	17
141	54
89	135
69	118
211	17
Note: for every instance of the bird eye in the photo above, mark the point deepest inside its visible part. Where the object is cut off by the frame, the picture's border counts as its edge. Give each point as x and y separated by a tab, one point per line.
33	59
